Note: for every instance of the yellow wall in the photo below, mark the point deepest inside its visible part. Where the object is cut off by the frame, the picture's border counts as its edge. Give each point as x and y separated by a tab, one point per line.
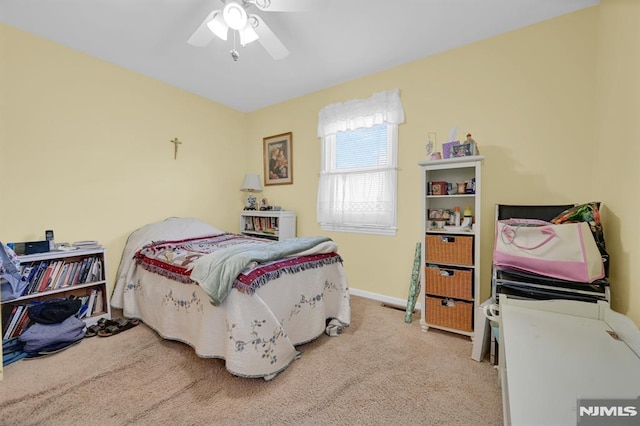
86	152
618	149
527	97
553	106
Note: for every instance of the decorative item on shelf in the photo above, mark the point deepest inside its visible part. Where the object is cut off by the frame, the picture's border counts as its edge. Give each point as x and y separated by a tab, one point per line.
462	187
431	141
463	150
451	142
469	139
264	204
467	221
439	188
278	159
470	186
447	148
466	149
251	184
439	218
437	224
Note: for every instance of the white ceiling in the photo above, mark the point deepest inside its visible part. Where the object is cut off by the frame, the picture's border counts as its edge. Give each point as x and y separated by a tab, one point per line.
332	42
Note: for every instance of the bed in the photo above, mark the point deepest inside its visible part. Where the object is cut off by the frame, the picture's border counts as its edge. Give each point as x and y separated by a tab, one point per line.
255	321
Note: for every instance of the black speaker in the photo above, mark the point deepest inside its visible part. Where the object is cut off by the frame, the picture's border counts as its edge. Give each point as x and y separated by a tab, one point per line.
31	247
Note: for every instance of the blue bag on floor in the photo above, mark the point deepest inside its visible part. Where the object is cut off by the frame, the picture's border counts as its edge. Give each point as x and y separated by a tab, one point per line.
40	336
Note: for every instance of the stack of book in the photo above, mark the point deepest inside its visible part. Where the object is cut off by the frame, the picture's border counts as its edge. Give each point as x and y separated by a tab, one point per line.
54	274
16	320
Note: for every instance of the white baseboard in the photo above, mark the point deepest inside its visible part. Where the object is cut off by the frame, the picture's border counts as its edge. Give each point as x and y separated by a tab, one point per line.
402	303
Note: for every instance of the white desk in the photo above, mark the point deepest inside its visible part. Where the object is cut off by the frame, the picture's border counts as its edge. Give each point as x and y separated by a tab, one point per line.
548	359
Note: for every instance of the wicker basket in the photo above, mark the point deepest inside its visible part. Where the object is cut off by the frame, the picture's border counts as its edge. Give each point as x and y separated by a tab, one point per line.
449	313
457	283
450	249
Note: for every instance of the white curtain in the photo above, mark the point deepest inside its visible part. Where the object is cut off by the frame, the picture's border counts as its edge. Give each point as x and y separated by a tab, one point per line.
383	107
360	200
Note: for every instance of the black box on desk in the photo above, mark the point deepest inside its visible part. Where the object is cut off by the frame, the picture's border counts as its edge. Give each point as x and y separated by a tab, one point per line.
31	247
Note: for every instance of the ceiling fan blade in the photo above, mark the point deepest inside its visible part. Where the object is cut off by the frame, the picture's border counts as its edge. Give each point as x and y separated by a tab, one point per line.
203	35
287	5
269	40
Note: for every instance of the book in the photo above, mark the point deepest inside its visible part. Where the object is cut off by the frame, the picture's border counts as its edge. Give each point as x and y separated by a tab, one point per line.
85	277
7	314
69	277
56	283
42	285
22	323
74	274
14	320
83	311
85	244
99	305
33	285
62	276
81	269
25	271
32	273
91	302
54	274
98	273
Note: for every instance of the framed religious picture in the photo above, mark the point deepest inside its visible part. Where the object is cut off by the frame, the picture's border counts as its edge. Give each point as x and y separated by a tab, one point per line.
278	159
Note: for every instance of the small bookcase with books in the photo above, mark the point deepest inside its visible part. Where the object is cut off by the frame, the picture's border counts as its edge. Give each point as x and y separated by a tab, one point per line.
277	225
76	273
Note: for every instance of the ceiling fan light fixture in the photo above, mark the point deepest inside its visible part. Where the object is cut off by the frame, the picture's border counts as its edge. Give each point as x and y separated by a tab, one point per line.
247	35
218	26
234	15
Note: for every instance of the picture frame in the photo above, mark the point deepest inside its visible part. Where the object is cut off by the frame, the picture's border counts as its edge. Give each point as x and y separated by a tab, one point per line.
278	159
463	150
446	148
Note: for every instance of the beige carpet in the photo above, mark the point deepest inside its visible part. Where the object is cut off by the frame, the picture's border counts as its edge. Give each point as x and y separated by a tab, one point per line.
380	371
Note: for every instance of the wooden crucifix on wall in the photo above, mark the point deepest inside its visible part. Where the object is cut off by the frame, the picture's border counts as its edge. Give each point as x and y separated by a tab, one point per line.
175	143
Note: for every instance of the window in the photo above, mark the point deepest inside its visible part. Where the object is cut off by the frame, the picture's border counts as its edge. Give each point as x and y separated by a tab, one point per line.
358	177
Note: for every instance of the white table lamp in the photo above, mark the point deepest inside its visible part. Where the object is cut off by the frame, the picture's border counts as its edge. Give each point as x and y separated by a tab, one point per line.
251	184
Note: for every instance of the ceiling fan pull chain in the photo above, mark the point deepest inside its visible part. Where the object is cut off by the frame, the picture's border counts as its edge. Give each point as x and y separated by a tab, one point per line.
234	53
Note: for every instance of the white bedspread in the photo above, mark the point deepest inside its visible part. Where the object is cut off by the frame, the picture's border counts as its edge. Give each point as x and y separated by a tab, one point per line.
256	334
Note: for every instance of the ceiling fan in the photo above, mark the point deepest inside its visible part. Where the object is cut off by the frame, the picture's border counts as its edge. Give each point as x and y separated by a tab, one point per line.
248	26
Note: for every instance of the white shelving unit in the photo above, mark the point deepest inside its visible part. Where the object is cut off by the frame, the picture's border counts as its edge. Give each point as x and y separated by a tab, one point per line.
66	286
450	280
270	224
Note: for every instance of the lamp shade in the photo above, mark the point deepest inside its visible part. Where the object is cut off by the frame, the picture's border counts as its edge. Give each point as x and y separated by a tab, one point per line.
247	35
251	183
218	26
234	15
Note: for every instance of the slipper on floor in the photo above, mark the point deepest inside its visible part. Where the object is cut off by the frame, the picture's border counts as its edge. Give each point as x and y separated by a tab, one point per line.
119	325
93	330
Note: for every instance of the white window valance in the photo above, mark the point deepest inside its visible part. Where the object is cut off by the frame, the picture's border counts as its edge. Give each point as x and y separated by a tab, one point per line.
382	107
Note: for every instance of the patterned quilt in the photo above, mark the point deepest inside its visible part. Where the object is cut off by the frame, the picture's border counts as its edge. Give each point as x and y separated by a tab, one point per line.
256	333
176	259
